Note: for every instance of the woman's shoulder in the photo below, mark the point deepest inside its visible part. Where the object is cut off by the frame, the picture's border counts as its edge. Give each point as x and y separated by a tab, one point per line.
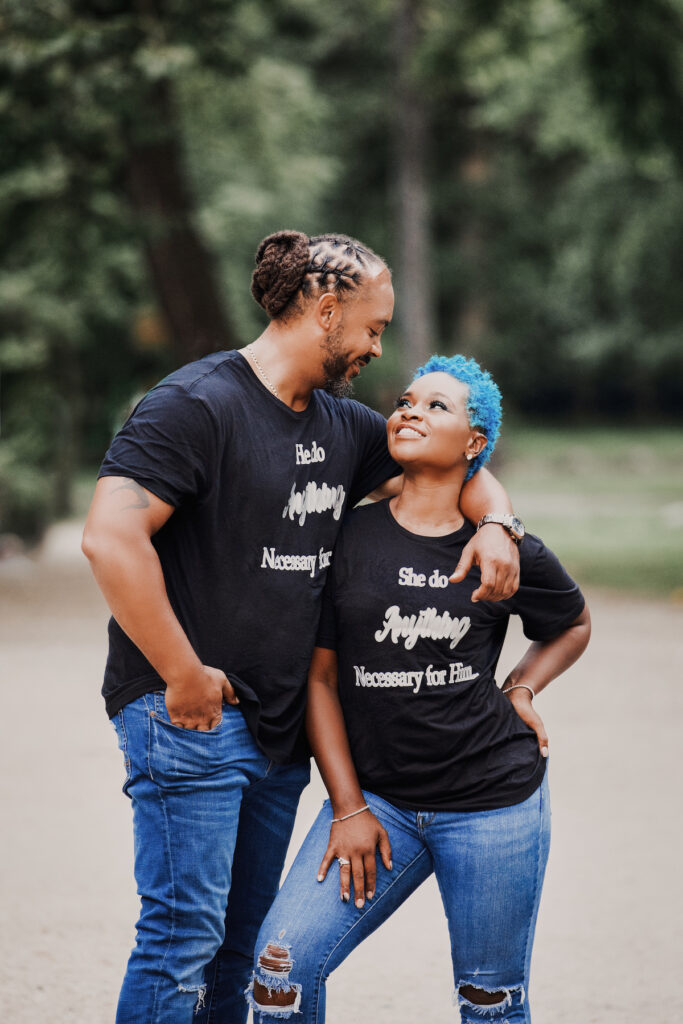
539	566
365	516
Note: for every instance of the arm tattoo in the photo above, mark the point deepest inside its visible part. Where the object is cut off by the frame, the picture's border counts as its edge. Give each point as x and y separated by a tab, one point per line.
132	485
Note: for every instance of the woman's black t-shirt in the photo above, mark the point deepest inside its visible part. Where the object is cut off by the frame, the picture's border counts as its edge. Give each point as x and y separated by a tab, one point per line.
428	727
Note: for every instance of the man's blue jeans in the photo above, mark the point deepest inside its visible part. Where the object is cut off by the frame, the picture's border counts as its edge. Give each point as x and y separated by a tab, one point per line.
489	866
212	821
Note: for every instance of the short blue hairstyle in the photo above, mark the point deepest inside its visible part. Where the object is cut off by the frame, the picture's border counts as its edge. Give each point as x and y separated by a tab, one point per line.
484	407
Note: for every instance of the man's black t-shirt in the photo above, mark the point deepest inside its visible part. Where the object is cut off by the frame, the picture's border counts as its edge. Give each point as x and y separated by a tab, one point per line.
259	492
428	727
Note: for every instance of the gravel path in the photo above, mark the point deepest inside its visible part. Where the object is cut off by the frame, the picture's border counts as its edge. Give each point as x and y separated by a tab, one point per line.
610	920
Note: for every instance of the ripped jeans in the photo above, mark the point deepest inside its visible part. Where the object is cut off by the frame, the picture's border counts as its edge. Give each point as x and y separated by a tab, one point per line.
212	819
489	866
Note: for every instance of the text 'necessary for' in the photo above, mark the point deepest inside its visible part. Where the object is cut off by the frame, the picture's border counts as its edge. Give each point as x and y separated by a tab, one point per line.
454	672
295	563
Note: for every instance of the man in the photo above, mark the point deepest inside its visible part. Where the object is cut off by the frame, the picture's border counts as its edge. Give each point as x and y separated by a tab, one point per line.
210	531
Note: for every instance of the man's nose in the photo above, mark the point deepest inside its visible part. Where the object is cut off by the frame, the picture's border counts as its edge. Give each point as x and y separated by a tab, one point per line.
376	348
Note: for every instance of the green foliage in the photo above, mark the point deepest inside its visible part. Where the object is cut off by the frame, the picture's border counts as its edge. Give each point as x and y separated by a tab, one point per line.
564	247
266	127
554	181
608	502
78	322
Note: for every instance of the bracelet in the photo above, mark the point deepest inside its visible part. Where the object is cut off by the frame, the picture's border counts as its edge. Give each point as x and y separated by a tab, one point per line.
520	686
352	814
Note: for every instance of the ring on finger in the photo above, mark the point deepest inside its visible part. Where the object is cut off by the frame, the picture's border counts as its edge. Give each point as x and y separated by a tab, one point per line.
343	863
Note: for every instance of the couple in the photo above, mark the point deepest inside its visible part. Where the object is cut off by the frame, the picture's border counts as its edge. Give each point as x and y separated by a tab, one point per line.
210	534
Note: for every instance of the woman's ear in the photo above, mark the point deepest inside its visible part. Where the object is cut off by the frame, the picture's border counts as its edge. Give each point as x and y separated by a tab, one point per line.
475	445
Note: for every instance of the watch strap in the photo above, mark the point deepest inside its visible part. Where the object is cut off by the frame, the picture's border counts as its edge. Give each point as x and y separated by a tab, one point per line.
510	522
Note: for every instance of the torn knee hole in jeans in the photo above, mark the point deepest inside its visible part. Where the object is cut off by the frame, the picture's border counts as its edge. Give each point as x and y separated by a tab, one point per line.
487	1003
270	990
200	990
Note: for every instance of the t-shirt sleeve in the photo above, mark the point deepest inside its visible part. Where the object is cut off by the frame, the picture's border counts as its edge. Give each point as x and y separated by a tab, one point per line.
548	599
327	625
374	465
167	445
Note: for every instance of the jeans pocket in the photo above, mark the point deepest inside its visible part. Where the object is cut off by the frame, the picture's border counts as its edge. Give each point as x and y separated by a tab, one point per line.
176	753
160	712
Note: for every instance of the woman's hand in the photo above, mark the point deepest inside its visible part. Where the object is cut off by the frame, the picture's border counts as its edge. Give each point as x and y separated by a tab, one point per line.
521	702
354	843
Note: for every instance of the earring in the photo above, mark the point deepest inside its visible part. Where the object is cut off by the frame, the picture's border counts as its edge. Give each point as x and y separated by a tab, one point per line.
470	457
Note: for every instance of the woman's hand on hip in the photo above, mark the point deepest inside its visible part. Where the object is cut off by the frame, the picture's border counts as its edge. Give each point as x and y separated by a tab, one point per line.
521	701
354	843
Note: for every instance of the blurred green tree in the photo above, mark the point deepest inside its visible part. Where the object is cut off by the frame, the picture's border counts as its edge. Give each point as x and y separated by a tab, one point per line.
109	278
519	164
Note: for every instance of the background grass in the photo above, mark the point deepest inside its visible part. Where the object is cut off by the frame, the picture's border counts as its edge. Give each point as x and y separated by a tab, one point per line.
608	501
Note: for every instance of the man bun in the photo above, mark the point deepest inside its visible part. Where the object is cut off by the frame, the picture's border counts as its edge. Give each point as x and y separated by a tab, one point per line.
281	263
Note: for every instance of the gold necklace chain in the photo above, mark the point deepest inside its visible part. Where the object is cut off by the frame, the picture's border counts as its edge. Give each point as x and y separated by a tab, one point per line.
266	379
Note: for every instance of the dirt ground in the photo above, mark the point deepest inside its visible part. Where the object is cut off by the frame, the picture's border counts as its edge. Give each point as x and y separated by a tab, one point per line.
609	939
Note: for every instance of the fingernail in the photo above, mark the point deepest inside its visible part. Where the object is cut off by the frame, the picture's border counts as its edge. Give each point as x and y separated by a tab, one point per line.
320	878
359	902
544	751
391	866
345	897
369	895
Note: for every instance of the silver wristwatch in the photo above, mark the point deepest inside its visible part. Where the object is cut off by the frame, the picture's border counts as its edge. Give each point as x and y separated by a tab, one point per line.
509	521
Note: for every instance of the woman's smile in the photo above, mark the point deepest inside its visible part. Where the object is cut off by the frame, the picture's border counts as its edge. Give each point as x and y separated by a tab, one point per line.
407	431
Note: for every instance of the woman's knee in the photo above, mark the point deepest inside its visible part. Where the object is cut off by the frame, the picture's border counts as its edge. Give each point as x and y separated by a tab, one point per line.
284	972
478	1004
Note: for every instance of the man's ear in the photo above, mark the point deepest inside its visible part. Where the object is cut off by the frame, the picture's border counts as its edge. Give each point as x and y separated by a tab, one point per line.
328	311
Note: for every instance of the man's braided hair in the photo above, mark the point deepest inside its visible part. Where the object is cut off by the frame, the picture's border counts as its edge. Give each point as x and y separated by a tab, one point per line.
291	267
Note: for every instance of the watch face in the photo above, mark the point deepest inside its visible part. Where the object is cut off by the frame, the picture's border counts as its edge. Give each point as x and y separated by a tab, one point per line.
516	527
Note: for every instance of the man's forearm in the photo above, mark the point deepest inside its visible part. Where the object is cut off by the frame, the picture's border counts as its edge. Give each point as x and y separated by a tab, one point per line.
389	489
130	577
483	494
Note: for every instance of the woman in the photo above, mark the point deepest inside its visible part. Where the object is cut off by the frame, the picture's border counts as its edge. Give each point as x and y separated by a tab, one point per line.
424	758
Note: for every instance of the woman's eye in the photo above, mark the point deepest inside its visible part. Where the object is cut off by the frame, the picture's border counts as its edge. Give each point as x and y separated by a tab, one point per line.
436	404
401	403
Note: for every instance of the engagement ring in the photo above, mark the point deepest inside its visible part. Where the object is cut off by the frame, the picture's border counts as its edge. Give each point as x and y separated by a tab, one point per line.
343	863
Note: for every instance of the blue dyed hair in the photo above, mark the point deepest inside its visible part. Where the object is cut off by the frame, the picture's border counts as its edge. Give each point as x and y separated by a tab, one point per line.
483	399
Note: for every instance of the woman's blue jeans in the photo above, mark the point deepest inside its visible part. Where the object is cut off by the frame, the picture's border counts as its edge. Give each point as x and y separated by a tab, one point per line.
489	866
212	822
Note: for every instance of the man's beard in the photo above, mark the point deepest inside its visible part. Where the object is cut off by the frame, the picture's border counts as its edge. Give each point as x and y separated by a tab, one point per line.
336	365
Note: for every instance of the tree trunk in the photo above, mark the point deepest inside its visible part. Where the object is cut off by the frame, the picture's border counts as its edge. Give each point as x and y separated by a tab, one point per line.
472	323
411	139
182	269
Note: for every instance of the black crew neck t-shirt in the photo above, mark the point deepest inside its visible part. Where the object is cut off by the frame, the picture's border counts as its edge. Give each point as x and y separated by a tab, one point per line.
428	727
259	491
